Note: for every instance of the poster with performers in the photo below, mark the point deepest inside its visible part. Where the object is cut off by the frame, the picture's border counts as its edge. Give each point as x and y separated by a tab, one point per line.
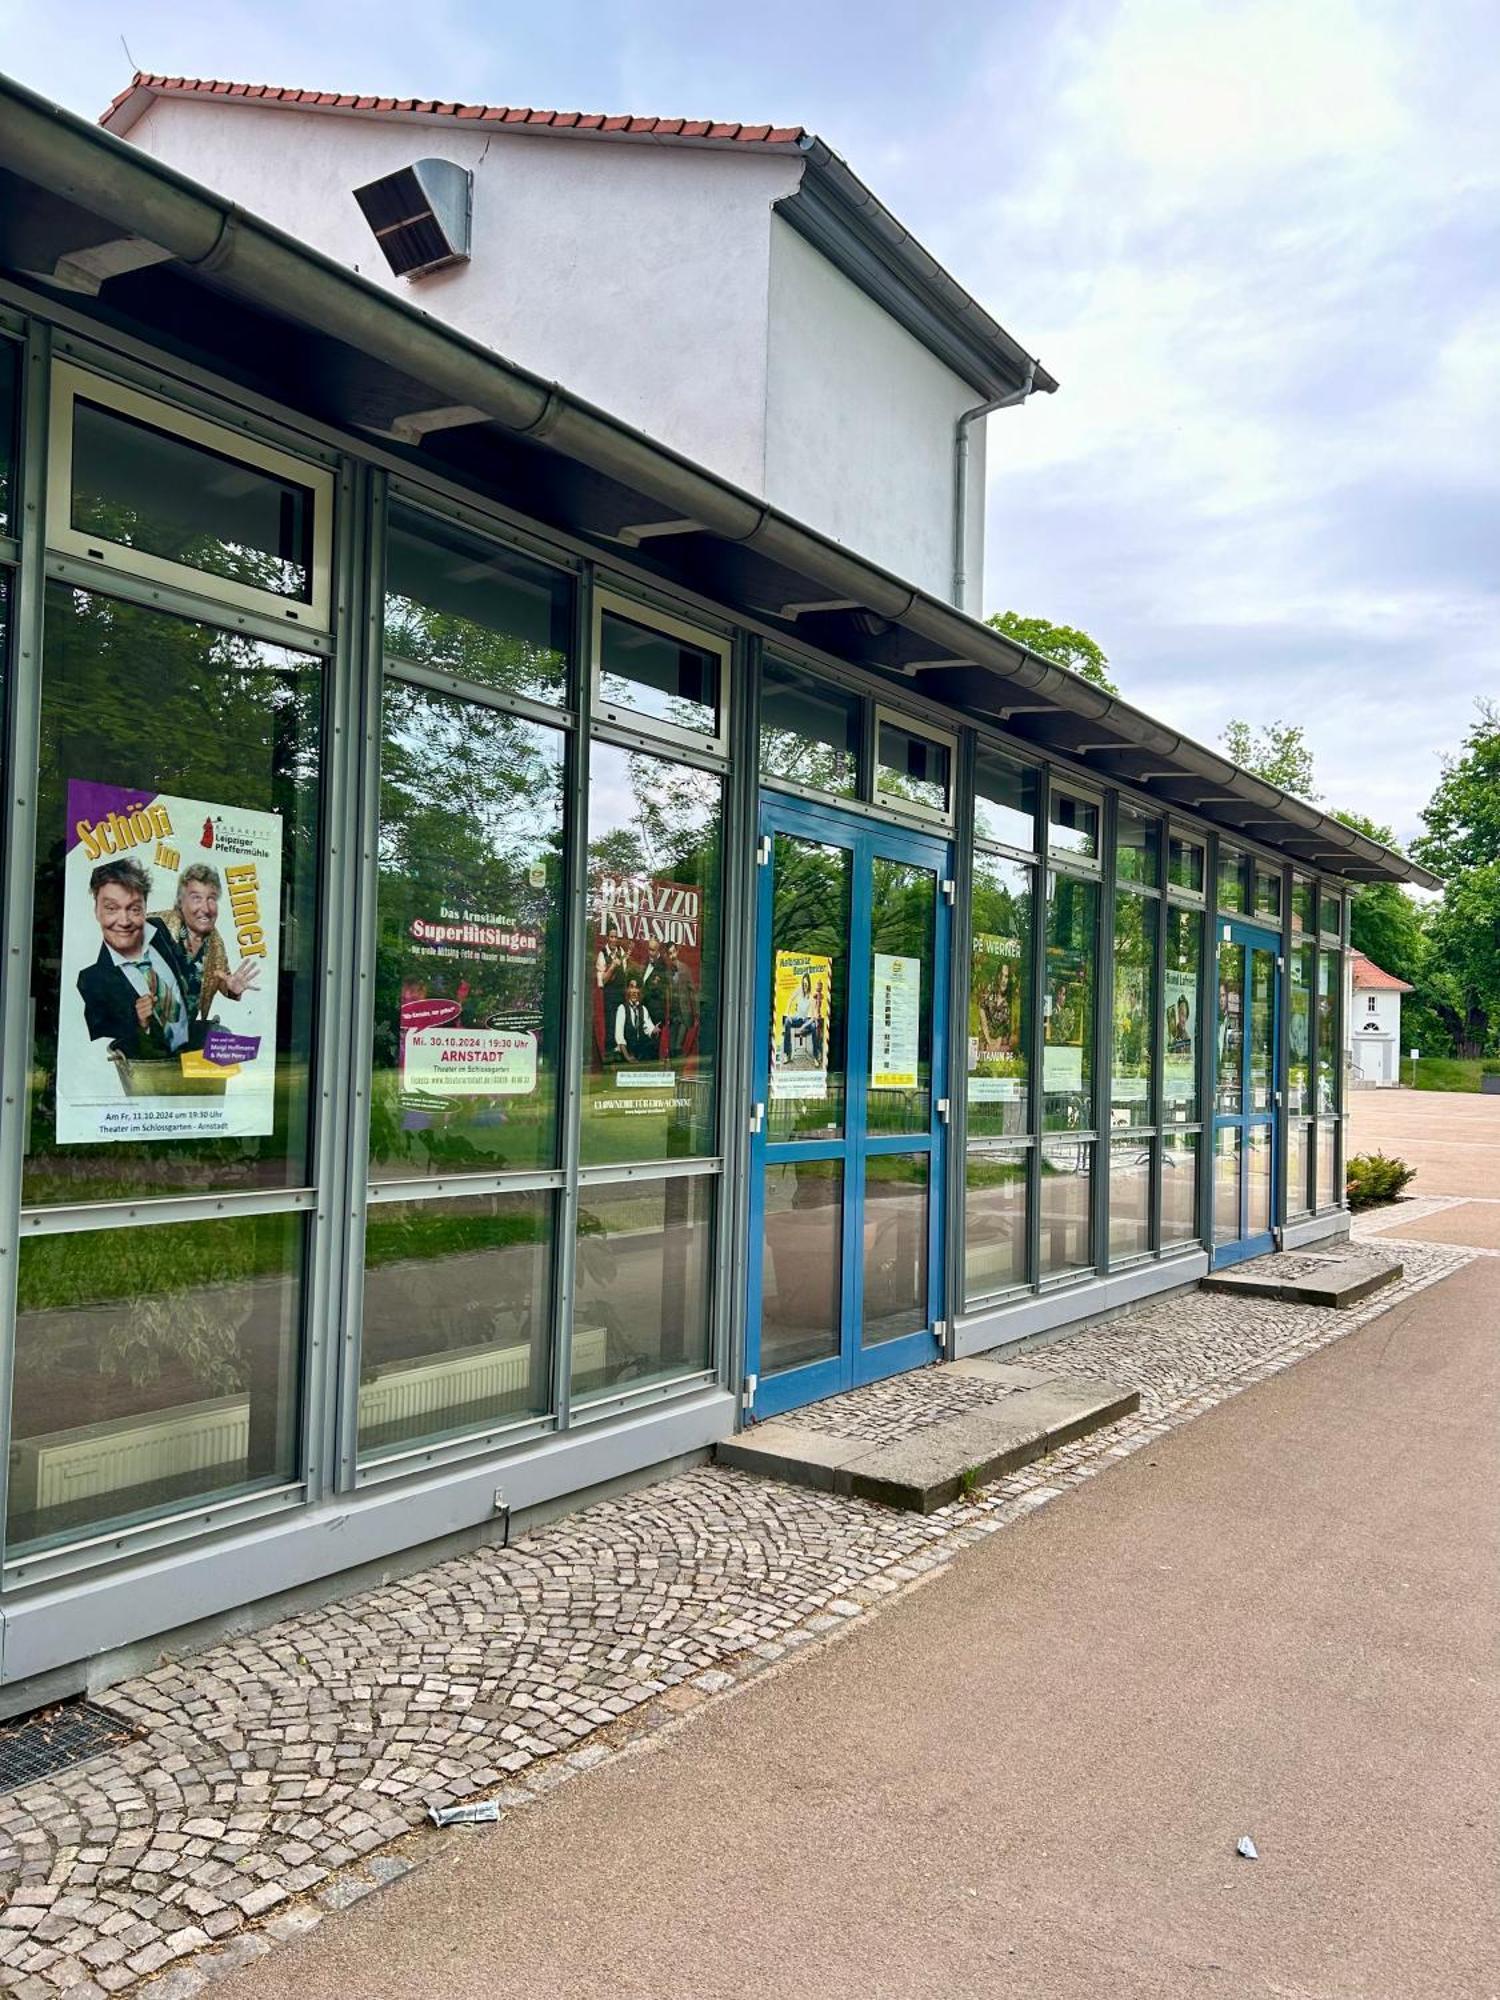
171	949
997	1066
469	1026
646	951
803	985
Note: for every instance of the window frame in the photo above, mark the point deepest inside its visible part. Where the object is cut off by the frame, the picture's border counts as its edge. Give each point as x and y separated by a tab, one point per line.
636	611
883	802
71	384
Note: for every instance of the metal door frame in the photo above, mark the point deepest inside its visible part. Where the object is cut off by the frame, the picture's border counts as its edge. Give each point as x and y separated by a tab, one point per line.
866	840
1253	938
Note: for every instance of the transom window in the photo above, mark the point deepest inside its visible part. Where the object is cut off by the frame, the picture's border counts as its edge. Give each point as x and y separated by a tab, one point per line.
168	496
655	674
913	768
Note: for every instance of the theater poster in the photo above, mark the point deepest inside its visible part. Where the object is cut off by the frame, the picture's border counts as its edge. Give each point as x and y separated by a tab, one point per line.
646	947
471	1006
803	985
170	959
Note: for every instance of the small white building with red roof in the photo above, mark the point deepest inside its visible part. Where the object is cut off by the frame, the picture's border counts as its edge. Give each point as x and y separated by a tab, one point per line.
1374	1021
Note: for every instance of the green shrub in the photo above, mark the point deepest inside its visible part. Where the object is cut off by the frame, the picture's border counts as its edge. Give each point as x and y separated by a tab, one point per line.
1373	1177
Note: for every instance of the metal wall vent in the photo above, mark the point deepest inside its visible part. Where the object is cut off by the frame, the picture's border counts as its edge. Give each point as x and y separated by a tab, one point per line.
420	216
54	1739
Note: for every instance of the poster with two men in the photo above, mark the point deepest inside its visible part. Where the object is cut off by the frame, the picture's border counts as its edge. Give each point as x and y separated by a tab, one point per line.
170	957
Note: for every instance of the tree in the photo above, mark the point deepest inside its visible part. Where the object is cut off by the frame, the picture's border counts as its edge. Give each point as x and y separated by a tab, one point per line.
1390	927
1278	752
1462	843
1064	644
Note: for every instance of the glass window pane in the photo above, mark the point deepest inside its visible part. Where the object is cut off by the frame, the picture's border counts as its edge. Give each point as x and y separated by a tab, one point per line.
809	731
1137	847
1268	894
1067	1208
1005	795
644	1278
995	1250
902	971
141	487
1185	865
1179	1188
178	804
456	601
468	965
801	1263
1299	1192
1232	866
1068	1005
1129	1199
1180	1016
1262	1029
644	672
1302	904
1227	1184
458	1317
810	891
153	1367
1304	973
999	996
1230	1062
1329	1191
1330	914
1136	918
913	769
896	1233
1073	826
654	833
1328	1030
8	467
1258	1180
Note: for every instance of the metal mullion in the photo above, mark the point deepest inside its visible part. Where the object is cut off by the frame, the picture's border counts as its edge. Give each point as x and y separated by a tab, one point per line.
573	1051
439	681
453	1187
1041	902
705	1166
103	580
1281	1088
1104	1026
445	1449
20	747
339	1103
671	749
78	1217
737	1053
856	1105
960	954
1159	1050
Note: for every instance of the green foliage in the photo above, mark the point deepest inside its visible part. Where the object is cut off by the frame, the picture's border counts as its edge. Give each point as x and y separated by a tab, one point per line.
1444	1073
1277	752
1371	1178
1463	814
1064	644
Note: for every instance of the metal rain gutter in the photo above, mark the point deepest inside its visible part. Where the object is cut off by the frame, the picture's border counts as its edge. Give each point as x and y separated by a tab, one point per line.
119	183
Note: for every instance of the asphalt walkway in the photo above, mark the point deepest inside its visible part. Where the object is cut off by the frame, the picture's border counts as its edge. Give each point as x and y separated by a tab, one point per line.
1027	1776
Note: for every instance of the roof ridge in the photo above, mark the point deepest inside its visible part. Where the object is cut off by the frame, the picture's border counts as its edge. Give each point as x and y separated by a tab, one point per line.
566	121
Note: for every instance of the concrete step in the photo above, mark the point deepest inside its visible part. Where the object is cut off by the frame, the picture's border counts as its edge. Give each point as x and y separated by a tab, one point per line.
922	1469
1298	1278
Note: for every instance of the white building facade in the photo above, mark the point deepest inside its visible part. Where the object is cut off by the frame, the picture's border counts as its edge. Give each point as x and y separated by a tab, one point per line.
733	291
1374	1017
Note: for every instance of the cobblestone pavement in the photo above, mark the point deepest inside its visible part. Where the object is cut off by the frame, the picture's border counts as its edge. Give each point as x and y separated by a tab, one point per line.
285	1774
885	1411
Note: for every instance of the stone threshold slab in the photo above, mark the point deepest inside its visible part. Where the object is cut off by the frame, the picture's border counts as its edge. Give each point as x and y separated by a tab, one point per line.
925	1469
1336	1281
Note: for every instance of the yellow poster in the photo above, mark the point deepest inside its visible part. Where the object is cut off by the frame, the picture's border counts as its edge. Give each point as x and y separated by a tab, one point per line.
801	986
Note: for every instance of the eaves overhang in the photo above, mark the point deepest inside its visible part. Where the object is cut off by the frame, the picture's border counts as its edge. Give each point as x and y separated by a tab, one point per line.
859	236
75	199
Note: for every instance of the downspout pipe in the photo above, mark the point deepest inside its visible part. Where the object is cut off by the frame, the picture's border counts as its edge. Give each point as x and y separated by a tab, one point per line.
961	477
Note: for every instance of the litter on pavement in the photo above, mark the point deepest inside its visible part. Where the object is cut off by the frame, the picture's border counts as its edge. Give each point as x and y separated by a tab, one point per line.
1244	1847
475	1815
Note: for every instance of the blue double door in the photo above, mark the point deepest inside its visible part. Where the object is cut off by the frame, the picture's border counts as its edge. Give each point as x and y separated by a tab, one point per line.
850	1120
1246	1098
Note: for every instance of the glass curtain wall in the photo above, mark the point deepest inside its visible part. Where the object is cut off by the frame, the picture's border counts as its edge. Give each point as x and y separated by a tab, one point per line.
1302	982
1134	1033
1001	1139
174	982
1182	1029
1069	976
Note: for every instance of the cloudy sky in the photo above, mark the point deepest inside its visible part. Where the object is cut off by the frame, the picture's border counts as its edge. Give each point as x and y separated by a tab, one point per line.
1258	242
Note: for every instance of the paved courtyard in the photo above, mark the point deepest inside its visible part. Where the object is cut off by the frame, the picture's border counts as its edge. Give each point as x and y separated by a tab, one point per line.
288	1773
1452	1138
